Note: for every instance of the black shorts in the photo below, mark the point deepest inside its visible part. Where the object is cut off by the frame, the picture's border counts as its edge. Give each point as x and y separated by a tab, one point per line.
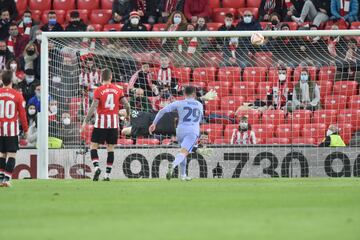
9	144
102	136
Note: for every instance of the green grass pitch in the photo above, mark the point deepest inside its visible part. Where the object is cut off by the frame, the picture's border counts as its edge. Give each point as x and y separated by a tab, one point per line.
201	209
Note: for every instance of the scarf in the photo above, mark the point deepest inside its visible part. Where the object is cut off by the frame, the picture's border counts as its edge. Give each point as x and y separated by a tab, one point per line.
243	137
280	95
170	6
344	7
10	44
141	5
27	28
2	63
89	79
269	6
164	77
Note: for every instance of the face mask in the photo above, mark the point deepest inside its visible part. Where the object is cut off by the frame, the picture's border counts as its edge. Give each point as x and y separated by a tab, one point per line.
66	121
38	37
29	79
329	132
52	21
13	66
2	52
177	20
201	24
14	33
304	77
30	52
243	125
247	19
32	112
164	65
228	23
27	20
134	21
274	22
53	109
282	77
75	21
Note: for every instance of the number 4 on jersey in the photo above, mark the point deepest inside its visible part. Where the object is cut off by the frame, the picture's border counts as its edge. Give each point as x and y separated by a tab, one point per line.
109	103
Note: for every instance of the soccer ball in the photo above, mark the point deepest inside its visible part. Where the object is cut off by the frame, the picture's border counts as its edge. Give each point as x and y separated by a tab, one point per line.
257	39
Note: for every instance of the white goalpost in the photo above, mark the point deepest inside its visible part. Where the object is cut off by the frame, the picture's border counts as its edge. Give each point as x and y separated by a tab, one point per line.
245	78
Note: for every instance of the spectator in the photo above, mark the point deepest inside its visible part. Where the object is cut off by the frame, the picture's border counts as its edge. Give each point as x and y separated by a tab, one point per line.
120	11
16	41
306	93
28	86
176	22
52	25
146	10
139	102
274	22
228	45
27	25
164	74
18	75
201	24
332	139
278	96
134	24
66	130
4	24
5	55
35	100
143	79
30	59
37	40
243	135
32	120
292	8
196	8
165	8
189	47
249	23
269	7
76	24
10	6
89	76
346	10
315	11
53	109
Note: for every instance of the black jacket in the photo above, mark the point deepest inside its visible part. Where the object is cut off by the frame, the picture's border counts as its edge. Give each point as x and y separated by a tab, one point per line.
56	28
28	90
130	28
11	6
76	27
324	4
123	8
253	26
4	30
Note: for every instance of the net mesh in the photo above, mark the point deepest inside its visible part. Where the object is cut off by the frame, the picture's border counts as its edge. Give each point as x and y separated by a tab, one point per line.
259	85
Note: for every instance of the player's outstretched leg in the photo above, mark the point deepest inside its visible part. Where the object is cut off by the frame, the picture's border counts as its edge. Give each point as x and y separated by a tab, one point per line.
109	162
95	160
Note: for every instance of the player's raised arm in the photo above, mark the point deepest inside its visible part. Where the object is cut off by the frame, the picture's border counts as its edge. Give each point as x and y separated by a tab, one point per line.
169	108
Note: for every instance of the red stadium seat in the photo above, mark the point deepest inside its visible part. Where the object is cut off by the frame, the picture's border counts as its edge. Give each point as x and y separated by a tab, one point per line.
253	98
223	113
41	5
213	26
212	105
63	4
288	130
297	72
314	130
253	3
84	14
325	116
245	89
214	4
303	141
182	74
88	4
355	25
201	85
206	74
106	4
222	141
300	117
351	116
212	59
252	115
98	27
231	74
254	74
112	27
336	102
147	141
346	130
327	73
255	11
273	75
233	3
263	59
231	103
340	24
263	131
274	117
122	141
222	88
60	16
264	87
354	102
325	89
218	14
159	27
229	130
21	6
277	141
346	88
100	16
214	131
265	24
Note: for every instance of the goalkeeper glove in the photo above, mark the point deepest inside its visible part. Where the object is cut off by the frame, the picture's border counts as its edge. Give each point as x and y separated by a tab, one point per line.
211	95
204	151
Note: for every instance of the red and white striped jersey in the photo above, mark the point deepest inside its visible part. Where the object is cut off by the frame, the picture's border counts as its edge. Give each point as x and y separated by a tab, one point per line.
12	109
107	115
246	137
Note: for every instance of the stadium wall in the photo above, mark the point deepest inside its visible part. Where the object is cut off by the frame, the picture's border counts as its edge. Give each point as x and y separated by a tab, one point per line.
226	162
